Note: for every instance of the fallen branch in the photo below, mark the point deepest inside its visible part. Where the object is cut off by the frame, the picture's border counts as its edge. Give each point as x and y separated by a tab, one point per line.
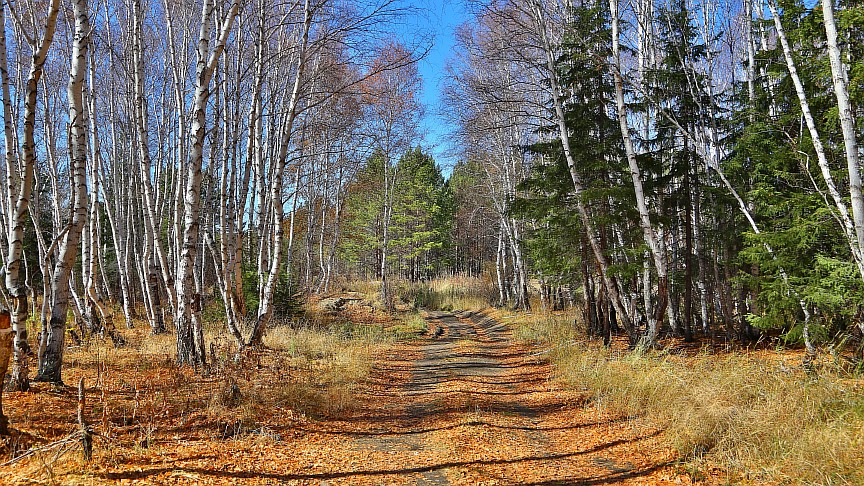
71	438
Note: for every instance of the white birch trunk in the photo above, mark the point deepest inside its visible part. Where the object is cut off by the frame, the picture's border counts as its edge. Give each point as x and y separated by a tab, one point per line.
289	257
847	124
188	306
11	160
265	307
655	244
22	189
50	365
848	226
152	222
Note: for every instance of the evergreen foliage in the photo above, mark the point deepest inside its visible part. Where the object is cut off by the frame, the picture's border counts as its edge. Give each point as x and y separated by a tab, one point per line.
421	225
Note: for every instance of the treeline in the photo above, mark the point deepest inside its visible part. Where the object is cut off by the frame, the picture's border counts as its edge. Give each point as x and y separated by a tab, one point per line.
685	167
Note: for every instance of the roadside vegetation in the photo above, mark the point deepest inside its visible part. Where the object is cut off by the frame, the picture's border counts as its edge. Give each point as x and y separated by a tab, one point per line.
745	414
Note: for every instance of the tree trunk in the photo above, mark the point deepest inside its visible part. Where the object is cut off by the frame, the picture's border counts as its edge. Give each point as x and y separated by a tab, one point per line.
688	260
265	307
655	244
22	190
847	124
849	228
152	225
6	337
188	305
609	281
50	365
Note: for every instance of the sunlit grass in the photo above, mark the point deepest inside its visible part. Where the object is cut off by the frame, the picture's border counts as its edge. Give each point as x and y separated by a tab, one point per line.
756	417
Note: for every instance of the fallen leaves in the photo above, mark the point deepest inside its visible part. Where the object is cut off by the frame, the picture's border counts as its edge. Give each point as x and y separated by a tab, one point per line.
469	407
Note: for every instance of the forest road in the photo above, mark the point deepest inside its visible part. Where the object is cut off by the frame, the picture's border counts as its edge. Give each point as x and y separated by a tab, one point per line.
469	405
465	404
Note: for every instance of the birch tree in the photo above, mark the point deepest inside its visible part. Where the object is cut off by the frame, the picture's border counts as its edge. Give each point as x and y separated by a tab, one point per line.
847	125
265	306
52	359
846	221
655	244
19	189
392	118
541	23
187	313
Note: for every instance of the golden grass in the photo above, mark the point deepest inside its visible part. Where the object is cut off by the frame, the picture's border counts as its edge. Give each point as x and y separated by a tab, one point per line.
369	289
321	365
755	415
451	293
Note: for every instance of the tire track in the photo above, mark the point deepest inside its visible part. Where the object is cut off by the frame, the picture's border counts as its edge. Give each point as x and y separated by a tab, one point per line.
467	405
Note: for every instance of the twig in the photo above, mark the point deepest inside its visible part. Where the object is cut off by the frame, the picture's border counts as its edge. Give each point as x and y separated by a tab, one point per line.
66	440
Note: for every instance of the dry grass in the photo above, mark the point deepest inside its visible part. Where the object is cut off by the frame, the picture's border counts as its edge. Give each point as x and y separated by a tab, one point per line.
544	328
756	415
411	325
369	289
450	293
317	365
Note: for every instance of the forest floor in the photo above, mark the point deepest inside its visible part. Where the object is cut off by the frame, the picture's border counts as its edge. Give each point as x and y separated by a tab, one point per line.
463	404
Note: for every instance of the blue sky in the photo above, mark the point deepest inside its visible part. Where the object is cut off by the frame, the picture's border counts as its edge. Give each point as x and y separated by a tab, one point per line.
438	19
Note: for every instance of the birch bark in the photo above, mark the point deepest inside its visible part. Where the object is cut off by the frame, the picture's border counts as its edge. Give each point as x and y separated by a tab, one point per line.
157	259
849	229
22	190
50	365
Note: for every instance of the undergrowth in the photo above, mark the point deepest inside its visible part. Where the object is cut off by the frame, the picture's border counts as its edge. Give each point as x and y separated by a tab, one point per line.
754	414
447	294
322	364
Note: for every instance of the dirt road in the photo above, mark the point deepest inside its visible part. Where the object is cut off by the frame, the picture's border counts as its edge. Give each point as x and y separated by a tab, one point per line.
463	405
469	406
